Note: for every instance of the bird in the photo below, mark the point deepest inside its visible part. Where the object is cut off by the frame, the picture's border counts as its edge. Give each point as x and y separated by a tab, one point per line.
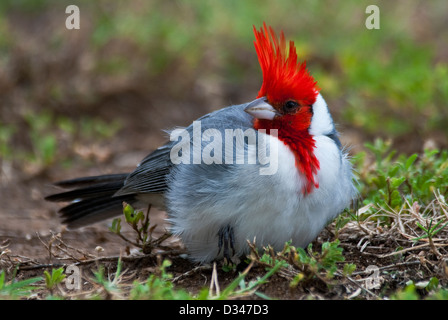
271	170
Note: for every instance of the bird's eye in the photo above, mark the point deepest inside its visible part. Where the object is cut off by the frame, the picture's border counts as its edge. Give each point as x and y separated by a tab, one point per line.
290	106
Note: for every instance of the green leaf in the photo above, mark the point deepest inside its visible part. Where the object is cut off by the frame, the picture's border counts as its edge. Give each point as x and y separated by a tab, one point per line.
53	279
349	268
433	284
396	182
302	256
2	279
394	170
410	161
16	288
132	216
408	293
116	226
434	231
128	211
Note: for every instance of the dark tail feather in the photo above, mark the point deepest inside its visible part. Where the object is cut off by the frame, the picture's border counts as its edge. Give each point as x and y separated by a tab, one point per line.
88	181
95	191
89	211
92	200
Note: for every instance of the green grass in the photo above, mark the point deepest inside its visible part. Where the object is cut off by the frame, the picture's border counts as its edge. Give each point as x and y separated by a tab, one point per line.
393	181
16	289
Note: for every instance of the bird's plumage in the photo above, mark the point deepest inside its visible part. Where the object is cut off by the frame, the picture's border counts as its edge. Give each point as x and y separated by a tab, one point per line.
234	193
271	208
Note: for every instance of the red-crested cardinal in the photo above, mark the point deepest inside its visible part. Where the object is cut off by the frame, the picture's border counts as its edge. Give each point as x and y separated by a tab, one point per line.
272	170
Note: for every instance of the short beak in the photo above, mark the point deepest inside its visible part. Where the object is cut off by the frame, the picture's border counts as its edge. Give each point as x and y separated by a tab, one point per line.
261	109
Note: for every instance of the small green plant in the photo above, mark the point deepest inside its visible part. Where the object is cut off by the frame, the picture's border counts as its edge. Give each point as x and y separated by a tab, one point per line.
430	231
407	293
53	279
140	223
396	180
314	264
159	287
109	287
439	294
307	263
239	288
98	128
46	134
16	289
344	218
405	191
430	290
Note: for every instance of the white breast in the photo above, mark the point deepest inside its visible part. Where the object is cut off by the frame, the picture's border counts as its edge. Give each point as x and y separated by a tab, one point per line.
283	213
268	208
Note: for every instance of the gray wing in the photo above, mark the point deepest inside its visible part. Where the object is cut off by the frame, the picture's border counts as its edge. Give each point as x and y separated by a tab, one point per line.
151	174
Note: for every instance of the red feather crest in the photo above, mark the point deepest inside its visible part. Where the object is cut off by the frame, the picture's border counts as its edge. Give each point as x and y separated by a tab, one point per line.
284	77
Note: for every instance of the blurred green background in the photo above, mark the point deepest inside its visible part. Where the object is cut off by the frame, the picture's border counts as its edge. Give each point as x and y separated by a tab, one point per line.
136	67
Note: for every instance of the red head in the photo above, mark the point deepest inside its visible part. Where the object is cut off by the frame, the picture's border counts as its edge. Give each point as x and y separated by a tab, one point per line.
285	100
284	78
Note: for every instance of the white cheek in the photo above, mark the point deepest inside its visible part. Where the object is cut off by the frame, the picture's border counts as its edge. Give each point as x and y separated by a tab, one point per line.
329	158
322	122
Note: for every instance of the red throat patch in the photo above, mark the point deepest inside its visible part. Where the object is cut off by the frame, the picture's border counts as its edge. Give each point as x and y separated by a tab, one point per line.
284	79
